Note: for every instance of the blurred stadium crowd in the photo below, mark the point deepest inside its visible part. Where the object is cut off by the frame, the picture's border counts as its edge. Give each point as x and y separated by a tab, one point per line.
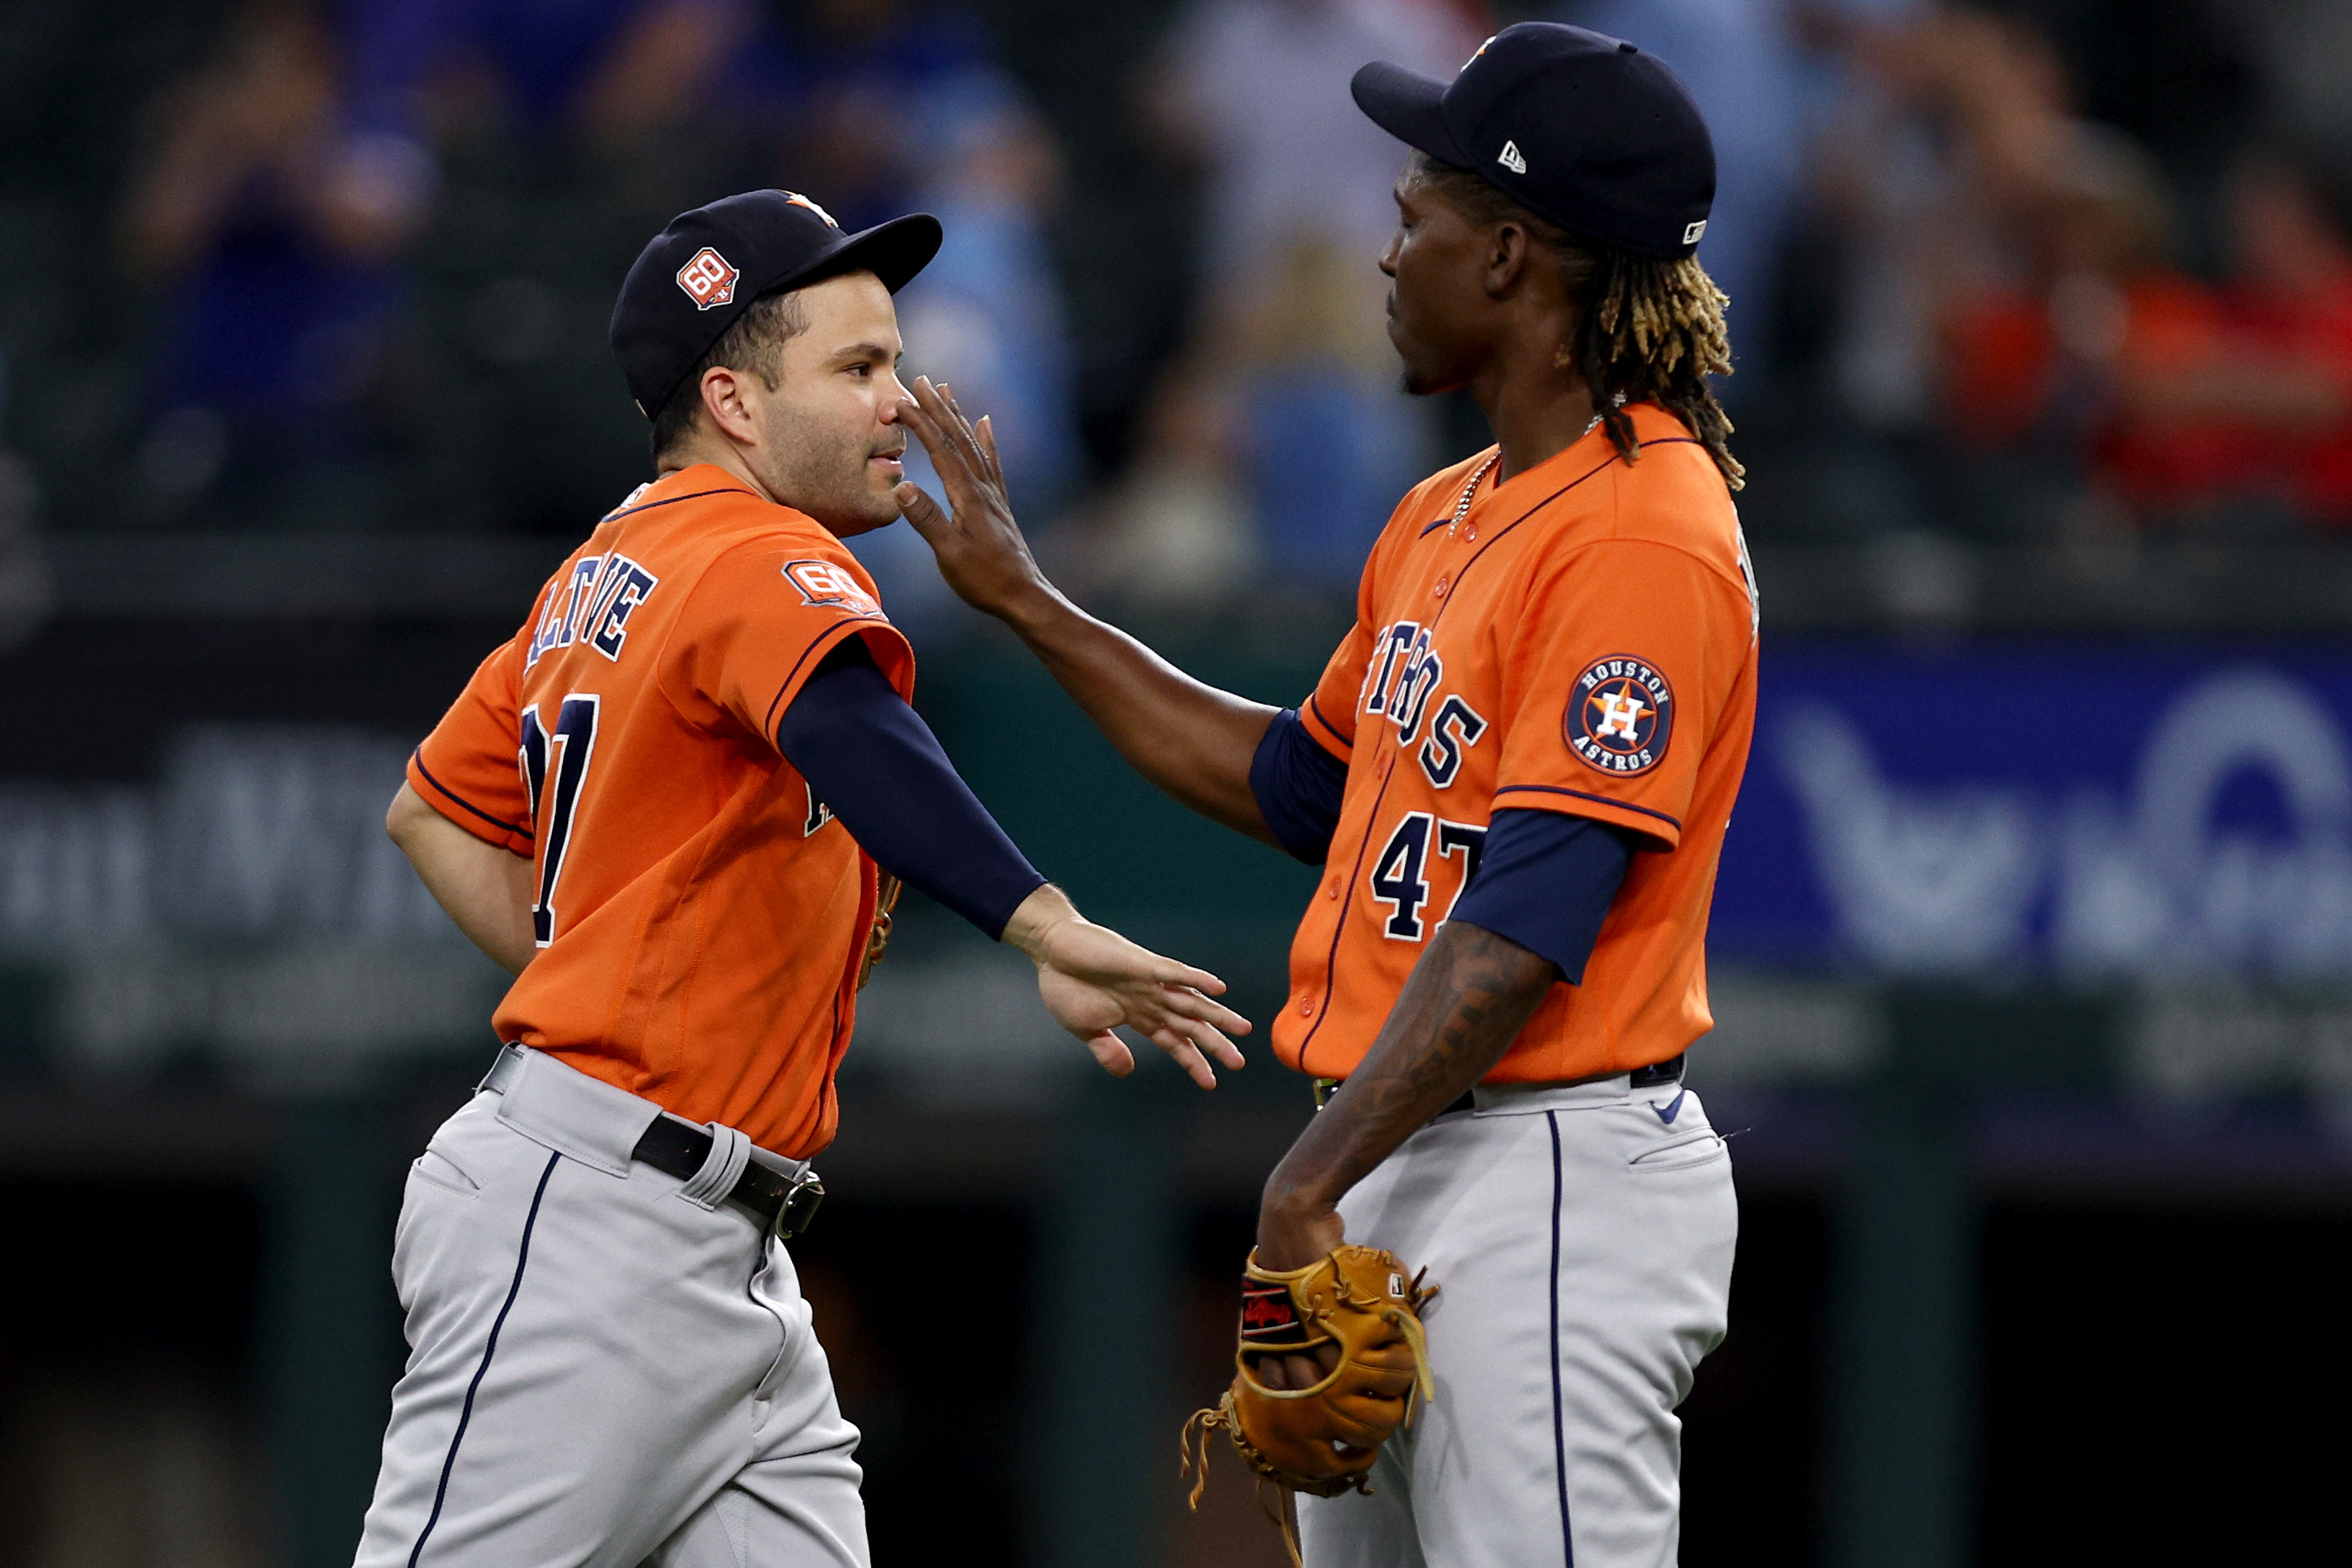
2051	272
2042	318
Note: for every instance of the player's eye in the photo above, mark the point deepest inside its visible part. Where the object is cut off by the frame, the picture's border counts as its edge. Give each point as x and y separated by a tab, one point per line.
861	370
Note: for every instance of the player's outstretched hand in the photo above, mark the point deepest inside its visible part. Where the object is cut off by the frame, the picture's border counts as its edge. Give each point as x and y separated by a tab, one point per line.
982	552
1094	981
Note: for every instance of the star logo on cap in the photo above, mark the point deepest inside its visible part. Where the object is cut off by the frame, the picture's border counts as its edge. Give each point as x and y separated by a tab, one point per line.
798	200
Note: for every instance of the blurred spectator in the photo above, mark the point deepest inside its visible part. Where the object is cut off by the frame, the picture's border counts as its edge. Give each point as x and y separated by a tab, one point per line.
2261	388
270	229
2066	326
1286	411
607	70
877	107
1738	59
2089	297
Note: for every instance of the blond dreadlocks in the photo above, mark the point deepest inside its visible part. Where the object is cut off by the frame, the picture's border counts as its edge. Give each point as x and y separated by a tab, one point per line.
1649	331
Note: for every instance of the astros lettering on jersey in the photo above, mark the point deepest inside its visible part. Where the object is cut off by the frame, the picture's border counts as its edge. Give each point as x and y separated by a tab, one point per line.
1582	641
699	913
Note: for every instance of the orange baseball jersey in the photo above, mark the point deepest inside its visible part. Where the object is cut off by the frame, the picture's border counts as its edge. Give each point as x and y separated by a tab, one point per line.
1585	641
699	914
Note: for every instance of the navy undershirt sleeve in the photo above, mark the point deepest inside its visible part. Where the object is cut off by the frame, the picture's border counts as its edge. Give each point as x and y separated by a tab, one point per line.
872	760
1297	784
1545	880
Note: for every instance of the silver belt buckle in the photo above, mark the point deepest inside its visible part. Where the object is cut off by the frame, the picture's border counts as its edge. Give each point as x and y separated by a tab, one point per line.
799	1207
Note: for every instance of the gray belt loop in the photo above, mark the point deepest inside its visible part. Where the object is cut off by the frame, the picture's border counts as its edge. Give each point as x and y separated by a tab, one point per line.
730	1150
503	1071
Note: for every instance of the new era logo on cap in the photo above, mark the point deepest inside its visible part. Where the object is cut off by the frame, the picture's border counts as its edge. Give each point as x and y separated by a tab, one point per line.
708	280
1605	139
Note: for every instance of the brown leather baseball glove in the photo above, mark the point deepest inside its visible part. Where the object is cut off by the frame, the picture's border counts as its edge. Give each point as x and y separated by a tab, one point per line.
1323	1439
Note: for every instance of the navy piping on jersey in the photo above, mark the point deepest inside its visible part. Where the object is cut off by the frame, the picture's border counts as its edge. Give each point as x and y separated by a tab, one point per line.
825	642
1348	903
1321	719
466	1416
1596	799
632	511
418	757
1558	1412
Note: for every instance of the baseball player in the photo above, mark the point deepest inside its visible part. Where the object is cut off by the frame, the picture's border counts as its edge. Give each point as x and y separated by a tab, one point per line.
1516	771
662	806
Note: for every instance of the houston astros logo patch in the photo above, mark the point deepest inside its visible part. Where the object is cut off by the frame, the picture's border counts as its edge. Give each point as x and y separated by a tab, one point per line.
708	281
1620	716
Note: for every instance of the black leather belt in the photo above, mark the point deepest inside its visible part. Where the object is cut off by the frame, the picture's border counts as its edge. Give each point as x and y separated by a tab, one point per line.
1667	1071
785	1204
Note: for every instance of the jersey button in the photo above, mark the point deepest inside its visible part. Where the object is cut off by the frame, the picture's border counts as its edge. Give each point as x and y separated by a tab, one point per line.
1443	583
1307	1009
1331	888
1471	533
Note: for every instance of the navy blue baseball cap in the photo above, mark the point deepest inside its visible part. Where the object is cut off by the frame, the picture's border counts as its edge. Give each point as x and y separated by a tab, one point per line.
1575	126
703	271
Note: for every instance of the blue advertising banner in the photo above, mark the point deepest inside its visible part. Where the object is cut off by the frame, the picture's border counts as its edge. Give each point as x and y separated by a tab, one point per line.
2065	810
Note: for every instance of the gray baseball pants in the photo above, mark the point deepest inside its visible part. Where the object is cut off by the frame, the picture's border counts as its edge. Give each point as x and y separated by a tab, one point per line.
607	1367
1582	1237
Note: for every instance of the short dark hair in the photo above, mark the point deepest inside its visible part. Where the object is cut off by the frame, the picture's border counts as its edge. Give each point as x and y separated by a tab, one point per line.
1646	330
754	342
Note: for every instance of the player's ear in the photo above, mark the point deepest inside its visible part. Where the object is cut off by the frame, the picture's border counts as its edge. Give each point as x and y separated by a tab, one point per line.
726	394
1506	246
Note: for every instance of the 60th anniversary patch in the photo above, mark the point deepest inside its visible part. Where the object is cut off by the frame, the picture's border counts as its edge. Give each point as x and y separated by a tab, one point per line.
1620	716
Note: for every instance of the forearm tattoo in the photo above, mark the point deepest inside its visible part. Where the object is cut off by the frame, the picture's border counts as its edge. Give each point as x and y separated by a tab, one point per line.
1459	1012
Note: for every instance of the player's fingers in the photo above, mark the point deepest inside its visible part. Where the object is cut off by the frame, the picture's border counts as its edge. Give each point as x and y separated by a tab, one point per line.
1215	1046
946	456
1168	972
926	516
938	402
1184	1053
986	431
956	409
1187	1003
1111	1052
927	415
1303	1372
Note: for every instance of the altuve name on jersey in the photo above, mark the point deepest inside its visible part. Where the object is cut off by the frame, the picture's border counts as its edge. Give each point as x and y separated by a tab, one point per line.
592	605
1400	681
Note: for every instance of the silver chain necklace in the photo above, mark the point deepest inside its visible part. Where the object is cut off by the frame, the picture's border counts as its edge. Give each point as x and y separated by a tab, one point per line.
1462	507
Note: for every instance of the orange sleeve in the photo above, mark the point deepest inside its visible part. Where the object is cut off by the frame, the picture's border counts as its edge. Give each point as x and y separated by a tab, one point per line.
465	770
1625	652
760	620
1329	711
1332	708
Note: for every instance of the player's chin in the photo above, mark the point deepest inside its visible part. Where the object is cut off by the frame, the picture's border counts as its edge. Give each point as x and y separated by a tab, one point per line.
1416	381
877	508
1419	376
